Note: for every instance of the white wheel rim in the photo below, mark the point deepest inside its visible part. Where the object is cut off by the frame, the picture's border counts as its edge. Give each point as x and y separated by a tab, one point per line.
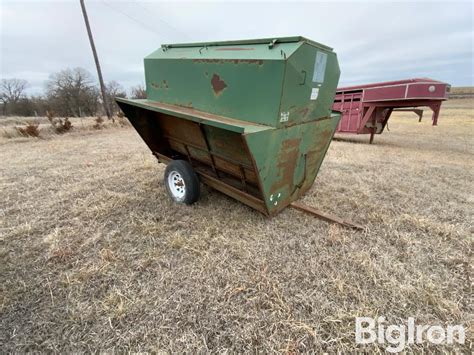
176	185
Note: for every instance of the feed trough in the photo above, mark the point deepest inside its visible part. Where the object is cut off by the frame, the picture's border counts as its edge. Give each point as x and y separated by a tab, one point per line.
249	118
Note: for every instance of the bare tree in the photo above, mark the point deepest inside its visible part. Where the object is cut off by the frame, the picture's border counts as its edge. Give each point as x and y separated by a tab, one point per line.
11	92
72	92
138	92
113	90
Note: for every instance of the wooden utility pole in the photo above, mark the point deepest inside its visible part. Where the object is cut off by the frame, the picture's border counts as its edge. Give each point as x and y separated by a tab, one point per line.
96	59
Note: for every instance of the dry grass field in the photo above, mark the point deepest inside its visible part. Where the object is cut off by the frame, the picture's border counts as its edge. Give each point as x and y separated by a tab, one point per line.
95	256
462	92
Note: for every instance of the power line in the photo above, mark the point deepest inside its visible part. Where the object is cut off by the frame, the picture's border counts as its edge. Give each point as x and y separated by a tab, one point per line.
132	18
161	20
142	24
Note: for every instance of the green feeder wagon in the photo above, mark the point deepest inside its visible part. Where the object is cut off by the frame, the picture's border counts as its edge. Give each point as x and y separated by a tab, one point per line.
249	118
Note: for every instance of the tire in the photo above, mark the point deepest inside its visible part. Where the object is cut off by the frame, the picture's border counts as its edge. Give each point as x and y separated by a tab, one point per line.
182	183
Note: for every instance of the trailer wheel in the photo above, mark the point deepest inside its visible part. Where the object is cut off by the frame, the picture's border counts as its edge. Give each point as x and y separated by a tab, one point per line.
182	182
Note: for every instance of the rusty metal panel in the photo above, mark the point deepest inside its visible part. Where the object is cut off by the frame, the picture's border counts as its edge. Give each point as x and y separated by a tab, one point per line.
190	114
275	82
309	85
248	91
296	155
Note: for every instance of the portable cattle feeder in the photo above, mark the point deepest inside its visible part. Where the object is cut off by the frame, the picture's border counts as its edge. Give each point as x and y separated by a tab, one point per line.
249	118
366	108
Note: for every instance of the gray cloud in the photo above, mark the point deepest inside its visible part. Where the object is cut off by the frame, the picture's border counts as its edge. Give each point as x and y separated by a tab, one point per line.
375	41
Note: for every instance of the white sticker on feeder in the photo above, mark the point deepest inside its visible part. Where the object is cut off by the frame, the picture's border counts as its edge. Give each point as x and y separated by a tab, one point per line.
284	116
314	94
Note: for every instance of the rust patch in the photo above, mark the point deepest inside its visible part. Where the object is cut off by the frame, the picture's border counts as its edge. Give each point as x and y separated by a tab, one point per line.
188	105
248	61
315	158
217	84
212	61
235	49
162	85
304	111
234	61
199	114
287	159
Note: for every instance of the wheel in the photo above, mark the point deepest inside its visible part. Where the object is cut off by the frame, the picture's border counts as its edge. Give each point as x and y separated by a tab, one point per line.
182	182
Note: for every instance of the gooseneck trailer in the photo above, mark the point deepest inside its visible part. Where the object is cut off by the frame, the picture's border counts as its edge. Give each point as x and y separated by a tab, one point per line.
250	118
366	108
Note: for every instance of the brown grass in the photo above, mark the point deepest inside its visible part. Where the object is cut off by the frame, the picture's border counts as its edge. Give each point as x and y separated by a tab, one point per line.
30	130
50	127
94	255
462	90
60	125
99	123
466	92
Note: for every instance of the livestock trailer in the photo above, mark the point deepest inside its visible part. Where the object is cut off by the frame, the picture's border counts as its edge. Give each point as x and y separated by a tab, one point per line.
366	108
249	118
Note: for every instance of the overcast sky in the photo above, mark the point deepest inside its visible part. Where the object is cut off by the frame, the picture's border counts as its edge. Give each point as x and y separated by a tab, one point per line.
374	40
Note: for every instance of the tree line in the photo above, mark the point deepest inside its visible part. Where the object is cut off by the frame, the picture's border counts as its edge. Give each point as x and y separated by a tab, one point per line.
71	92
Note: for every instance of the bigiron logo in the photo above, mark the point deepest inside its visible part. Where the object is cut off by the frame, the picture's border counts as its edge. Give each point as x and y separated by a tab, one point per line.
396	337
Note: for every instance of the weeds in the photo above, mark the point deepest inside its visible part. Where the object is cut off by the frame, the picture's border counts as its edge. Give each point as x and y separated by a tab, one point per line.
122	120
99	123
61	126
50	125
30	130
